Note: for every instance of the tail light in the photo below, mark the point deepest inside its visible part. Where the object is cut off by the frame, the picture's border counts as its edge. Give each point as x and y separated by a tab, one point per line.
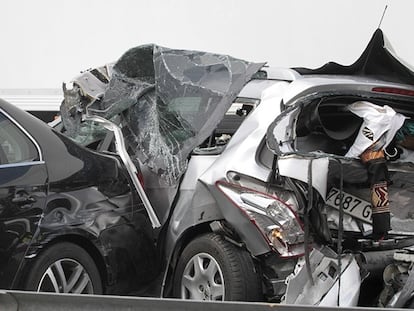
393	90
274	218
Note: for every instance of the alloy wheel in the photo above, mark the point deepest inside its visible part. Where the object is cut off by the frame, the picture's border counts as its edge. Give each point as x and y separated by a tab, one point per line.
202	279
66	276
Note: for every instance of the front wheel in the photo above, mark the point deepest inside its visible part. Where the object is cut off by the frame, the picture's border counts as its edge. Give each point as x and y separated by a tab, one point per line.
211	268
64	268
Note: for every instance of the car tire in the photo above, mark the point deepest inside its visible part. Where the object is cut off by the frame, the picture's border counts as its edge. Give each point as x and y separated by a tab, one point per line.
211	268
64	268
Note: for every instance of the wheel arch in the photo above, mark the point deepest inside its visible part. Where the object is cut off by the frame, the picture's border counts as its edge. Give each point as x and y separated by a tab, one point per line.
232	254
78	240
217	226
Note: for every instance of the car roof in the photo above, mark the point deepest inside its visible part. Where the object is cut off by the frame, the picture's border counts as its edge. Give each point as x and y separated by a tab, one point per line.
255	87
266	78
23	117
342	84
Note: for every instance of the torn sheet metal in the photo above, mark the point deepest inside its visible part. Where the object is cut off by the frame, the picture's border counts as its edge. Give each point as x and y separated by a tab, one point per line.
378	60
166	101
325	287
281	140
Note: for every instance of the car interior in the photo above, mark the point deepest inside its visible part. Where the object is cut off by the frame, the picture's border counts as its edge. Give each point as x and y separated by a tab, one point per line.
327	125
226	128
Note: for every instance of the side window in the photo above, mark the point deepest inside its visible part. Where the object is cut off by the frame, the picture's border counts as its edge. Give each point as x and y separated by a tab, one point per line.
15	146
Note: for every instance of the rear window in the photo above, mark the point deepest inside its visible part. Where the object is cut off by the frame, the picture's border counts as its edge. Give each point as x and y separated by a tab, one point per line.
16	147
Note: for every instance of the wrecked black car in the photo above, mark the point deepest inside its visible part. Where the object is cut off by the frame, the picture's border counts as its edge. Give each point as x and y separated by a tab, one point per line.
251	173
70	221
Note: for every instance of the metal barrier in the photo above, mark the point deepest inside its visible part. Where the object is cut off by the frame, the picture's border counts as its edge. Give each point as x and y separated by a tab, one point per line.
30	301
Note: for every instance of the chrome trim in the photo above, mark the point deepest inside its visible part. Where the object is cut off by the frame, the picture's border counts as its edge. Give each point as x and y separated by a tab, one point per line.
21	164
132	170
25	133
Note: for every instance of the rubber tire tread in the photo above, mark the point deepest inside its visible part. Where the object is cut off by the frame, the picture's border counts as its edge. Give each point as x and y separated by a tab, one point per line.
57	252
241	279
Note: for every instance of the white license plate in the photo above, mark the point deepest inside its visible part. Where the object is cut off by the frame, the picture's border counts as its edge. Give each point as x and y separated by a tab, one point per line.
351	204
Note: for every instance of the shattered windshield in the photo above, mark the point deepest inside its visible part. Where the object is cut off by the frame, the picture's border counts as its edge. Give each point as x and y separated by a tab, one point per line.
166	101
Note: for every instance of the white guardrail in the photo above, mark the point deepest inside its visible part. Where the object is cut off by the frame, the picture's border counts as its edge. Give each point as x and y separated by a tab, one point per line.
30	301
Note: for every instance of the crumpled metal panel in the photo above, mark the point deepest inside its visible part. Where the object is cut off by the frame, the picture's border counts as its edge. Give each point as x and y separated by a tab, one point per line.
325	289
166	101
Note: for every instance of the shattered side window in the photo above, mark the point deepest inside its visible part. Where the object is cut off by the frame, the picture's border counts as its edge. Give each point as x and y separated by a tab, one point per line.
166	101
89	133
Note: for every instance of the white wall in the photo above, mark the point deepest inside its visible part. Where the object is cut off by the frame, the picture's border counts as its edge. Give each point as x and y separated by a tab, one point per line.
46	42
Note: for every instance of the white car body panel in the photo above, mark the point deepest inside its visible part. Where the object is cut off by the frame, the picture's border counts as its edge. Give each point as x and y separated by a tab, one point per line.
298	168
240	153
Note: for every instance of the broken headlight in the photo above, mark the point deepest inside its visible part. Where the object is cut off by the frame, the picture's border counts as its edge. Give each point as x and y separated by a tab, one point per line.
274	218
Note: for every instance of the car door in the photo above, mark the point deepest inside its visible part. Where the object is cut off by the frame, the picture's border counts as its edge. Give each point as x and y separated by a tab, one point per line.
23	184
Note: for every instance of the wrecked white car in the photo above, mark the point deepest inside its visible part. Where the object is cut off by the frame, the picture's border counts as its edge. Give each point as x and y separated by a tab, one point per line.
344	144
246	174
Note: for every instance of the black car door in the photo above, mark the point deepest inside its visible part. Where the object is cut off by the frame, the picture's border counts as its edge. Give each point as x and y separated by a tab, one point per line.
23	179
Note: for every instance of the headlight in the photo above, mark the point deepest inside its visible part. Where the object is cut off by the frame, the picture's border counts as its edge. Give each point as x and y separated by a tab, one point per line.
274	218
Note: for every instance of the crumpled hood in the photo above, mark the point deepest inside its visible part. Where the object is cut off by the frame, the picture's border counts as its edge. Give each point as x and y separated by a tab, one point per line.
167	102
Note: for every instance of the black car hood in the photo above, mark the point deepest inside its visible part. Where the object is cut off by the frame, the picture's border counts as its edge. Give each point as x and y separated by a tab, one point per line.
376	61
167	102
